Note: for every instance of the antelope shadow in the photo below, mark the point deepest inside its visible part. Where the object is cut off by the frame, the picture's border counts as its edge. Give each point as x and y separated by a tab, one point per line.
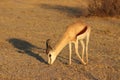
26	47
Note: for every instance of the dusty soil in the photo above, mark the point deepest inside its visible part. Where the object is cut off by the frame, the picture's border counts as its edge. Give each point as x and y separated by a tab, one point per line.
26	25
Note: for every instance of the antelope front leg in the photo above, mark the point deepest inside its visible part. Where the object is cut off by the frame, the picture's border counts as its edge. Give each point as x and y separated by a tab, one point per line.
76	49
70	52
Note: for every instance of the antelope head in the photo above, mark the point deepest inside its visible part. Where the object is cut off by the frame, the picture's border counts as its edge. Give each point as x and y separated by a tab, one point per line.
50	52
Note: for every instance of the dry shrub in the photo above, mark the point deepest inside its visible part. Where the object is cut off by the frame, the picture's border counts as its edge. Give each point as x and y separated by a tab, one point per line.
104	7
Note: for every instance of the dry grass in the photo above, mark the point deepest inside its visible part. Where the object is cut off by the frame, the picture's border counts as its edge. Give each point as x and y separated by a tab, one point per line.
104	7
25	28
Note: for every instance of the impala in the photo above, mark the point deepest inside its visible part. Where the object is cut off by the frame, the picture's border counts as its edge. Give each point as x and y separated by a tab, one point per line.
74	33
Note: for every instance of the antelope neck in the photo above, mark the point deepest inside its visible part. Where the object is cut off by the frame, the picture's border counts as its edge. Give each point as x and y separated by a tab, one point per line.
62	43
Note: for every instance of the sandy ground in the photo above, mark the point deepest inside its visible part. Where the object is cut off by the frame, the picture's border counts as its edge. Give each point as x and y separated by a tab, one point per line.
26	25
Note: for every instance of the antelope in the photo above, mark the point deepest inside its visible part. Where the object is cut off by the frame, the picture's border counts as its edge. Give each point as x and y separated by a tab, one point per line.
74	33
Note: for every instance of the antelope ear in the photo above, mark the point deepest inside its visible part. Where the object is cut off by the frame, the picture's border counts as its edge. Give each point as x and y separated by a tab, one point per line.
48	47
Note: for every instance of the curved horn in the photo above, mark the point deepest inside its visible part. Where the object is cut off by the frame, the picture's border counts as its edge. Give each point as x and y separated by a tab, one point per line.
48	47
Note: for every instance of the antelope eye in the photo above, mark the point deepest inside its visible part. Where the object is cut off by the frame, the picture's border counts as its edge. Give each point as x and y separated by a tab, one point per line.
49	55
